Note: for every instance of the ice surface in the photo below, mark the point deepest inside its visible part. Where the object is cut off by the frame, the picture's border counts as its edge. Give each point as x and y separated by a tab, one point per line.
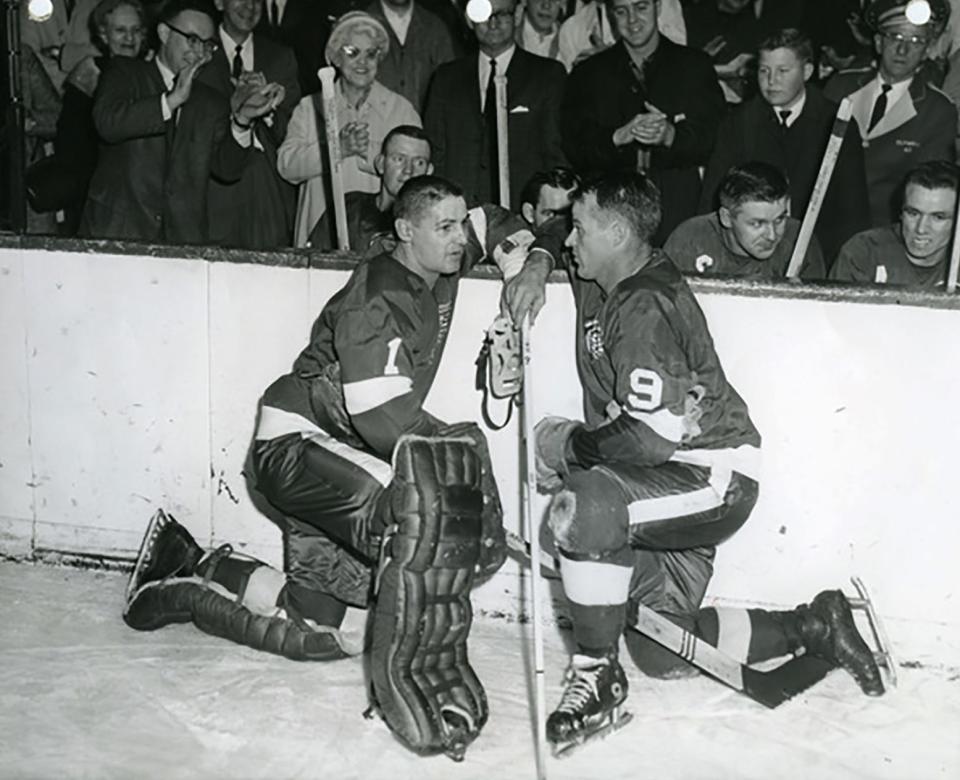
83	696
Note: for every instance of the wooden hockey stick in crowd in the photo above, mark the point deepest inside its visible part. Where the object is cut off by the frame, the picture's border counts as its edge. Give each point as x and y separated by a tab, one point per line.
503	144
531	527
820	187
331	120
770	688
954	266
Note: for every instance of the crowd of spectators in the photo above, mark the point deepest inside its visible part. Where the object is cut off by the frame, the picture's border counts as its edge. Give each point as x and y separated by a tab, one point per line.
194	123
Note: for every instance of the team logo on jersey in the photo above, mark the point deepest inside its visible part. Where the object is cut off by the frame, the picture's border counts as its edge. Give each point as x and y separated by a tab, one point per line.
593	338
702	263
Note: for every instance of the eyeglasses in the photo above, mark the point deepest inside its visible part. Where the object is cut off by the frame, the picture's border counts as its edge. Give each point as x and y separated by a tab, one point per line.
499	16
195	41
355	53
910	40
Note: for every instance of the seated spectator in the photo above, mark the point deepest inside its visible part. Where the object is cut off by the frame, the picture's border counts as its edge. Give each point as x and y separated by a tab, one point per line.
257	211
751	235
788	125
420	42
589	30
538	27
914	252
644	104
547	195
163	135
120	32
903	120
730	32
366	112
461	112
405	154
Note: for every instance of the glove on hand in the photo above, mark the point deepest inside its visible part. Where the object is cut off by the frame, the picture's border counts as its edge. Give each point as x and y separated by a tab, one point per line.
551	435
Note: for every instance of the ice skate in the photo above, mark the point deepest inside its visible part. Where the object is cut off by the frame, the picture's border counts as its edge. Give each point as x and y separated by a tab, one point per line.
883	654
167	550
590	706
828	631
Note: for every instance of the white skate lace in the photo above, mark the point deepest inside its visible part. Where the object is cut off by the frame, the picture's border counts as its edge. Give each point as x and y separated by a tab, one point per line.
581	685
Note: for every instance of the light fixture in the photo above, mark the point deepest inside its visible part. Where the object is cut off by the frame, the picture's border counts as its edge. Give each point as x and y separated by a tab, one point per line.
478	11
39	10
918	12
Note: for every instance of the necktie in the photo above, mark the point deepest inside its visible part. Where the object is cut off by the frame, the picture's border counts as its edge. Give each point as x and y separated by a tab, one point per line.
490	99
237	67
490	119
274	14
880	107
784	116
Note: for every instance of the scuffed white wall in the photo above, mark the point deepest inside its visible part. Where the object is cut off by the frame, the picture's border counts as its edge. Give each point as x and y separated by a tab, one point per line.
132	382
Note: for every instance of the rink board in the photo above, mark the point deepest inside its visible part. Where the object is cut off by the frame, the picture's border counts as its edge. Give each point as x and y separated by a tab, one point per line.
131	381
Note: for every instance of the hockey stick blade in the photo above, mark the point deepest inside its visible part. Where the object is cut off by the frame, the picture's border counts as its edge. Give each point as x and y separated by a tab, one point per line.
770	688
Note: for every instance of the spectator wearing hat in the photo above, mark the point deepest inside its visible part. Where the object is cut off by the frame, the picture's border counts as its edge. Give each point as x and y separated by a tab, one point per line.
903	119
366	112
913	252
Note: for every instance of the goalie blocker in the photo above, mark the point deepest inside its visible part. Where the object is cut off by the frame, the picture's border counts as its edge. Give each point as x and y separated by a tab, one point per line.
437	533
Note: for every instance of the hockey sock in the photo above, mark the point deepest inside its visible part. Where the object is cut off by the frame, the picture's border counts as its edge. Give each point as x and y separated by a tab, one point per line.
749	635
303	602
597	591
223	569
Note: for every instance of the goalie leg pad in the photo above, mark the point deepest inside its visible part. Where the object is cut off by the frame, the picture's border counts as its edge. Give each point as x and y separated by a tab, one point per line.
188	600
422	681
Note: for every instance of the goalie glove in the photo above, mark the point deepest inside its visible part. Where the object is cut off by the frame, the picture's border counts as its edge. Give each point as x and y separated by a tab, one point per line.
551	435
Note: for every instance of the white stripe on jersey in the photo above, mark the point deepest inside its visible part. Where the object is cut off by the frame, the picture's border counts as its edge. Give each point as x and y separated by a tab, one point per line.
744	459
650	510
279	422
368	394
593	583
664	423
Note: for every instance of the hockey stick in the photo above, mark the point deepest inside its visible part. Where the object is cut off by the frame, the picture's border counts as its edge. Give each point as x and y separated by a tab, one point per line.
954	251
820	188
531	527
503	144
770	689
326	75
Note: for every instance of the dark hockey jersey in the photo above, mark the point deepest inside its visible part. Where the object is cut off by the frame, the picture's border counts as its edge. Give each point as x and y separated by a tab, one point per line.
375	349
653	386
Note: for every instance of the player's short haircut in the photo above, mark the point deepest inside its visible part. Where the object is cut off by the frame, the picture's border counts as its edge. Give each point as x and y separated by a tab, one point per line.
407	131
789	38
934	175
752	181
172	9
420	193
629	195
561	177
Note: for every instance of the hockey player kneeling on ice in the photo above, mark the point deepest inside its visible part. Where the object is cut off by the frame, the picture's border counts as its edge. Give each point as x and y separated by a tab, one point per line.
370	485
662	471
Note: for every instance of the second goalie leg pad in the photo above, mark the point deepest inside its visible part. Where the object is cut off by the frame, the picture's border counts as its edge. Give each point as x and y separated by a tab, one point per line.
422	681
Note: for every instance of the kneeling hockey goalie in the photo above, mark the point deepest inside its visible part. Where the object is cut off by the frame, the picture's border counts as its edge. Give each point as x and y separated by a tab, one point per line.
371	487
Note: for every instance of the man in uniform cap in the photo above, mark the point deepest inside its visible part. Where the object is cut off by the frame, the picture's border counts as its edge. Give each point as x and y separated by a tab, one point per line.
903	120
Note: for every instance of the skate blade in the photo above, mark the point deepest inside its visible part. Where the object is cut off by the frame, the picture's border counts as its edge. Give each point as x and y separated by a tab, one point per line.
157	522
883	654
566	749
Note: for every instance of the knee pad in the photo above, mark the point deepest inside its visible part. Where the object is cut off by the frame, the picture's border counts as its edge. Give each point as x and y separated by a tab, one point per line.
589	517
422	681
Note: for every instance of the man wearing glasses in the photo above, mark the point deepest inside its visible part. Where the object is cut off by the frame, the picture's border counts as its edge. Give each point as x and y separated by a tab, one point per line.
903	120
163	135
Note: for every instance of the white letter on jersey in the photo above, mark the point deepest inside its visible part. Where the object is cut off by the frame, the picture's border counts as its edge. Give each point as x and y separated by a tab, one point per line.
702	263
393	347
647	387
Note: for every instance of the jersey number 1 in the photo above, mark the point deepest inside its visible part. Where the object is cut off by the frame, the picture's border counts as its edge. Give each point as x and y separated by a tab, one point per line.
393	347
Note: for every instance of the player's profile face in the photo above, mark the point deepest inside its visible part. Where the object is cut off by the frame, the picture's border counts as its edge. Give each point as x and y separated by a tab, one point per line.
926	222
589	239
439	237
781	76
755	228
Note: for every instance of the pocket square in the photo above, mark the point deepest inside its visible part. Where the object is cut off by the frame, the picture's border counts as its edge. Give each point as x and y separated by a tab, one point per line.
520	110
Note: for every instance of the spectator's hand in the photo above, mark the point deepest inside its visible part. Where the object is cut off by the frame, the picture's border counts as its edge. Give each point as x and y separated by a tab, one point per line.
251	100
354	140
736	68
184	83
85	76
714	46
651	128
525	293
625	135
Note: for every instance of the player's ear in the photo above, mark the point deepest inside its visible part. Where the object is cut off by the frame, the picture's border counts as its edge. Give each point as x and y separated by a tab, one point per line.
619	232
378	164
726	217
404	229
526	209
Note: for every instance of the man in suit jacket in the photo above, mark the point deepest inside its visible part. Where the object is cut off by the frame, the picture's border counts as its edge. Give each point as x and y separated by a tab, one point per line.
164	136
419	43
257	211
647	104
788	125
461	112
903	120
